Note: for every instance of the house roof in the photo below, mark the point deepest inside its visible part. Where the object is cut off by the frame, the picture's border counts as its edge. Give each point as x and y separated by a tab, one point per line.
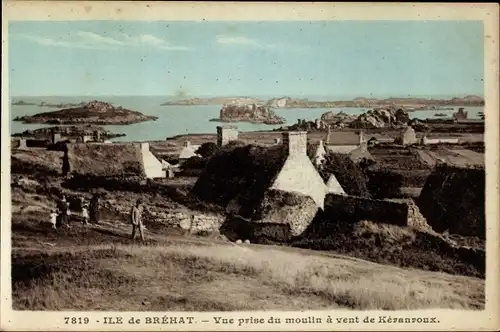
342	138
360	153
110	159
344	149
188	151
242	172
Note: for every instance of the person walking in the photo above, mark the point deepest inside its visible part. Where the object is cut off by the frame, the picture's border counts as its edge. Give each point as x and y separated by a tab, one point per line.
94	209
136	220
63	206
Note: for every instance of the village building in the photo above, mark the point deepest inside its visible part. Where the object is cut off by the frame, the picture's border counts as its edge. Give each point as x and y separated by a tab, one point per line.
319	154
169	169
439	140
276	189
55	137
84	138
120	160
407	137
344	141
188	151
226	134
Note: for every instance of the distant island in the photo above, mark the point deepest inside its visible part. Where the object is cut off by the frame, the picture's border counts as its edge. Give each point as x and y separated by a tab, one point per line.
22	103
215	101
46	104
94	112
248	113
411	103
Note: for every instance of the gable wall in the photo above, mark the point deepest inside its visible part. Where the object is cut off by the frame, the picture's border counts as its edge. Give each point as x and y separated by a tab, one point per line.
152	166
299	175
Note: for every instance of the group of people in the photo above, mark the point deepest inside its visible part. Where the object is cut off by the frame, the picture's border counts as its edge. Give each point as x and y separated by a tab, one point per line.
62	214
90	214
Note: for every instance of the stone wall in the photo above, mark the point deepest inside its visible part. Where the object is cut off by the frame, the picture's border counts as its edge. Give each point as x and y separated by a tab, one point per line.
192	222
402	212
283	208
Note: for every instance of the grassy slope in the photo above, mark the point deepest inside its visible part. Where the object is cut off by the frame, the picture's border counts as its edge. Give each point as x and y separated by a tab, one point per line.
99	268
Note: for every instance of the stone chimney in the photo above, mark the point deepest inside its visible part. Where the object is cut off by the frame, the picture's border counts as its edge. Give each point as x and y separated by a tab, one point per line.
296	142
328	135
56	137
225	134
361	137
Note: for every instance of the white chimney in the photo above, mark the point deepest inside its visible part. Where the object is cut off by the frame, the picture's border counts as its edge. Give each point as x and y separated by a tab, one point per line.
226	134
296	142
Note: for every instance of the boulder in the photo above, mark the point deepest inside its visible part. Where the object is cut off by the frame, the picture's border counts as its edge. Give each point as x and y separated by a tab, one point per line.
382	118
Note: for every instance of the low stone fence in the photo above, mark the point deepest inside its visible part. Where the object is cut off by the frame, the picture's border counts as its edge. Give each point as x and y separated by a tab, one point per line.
192	222
400	212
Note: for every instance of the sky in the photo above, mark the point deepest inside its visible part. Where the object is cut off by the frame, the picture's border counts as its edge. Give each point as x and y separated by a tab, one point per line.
319	58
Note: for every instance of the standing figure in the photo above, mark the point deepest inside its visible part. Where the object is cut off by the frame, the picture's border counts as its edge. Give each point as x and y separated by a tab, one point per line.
63	206
136	219
94	209
85	213
53	219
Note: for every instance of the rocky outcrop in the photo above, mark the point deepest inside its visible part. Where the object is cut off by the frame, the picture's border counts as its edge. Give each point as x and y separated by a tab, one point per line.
248	113
22	103
461	114
337	118
278	102
382	118
94	112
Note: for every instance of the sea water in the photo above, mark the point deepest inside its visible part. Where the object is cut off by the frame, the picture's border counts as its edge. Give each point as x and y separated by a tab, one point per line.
178	120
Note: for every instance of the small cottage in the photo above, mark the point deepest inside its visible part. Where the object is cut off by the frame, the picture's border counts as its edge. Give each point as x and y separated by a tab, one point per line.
276	189
188	151
111	160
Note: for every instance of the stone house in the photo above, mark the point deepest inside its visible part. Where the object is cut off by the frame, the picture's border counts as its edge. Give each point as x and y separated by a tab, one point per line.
188	151
111	160
344	141
407	137
276	189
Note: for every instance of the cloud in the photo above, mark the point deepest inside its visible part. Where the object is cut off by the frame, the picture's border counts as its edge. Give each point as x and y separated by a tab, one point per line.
242	41
91	40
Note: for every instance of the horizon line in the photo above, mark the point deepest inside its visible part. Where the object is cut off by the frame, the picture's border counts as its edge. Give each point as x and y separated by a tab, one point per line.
378	96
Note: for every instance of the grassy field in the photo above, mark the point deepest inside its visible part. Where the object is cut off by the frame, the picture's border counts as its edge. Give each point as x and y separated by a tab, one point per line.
100	268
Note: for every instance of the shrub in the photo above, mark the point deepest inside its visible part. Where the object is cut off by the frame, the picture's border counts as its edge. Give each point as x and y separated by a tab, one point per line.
207	149
350	175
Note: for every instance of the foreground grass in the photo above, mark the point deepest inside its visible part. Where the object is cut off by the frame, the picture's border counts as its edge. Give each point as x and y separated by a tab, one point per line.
223	277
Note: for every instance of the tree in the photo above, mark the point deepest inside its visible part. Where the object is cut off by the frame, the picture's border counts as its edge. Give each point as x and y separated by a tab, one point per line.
207	149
